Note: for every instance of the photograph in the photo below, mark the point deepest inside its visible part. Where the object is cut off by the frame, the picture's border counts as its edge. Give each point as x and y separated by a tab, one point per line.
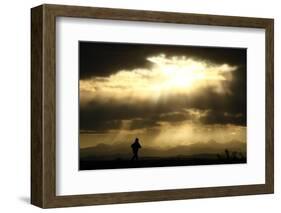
136	105
159	105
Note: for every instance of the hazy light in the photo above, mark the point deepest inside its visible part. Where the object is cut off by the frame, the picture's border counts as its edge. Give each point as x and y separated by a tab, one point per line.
169	135
166	76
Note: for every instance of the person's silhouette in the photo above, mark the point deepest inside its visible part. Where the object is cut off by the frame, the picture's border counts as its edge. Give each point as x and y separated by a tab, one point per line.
135	148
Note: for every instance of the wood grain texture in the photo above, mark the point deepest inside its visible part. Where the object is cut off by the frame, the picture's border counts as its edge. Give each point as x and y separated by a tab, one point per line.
269	118
36	106
43	105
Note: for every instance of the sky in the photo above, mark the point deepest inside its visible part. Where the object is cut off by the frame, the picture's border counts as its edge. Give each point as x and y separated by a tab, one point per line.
165	95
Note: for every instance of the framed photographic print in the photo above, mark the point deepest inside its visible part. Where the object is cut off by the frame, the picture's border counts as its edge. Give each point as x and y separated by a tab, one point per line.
136	106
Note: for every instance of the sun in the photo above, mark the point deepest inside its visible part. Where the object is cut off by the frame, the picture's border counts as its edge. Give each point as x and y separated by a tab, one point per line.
181	73
166	76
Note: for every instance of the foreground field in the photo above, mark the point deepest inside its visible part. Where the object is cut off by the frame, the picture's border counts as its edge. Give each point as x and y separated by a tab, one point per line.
90	163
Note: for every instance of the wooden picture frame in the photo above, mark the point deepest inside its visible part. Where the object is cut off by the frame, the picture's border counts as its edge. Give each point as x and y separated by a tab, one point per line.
43	105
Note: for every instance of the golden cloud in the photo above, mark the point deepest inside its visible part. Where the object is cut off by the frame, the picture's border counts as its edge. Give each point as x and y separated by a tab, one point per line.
166	76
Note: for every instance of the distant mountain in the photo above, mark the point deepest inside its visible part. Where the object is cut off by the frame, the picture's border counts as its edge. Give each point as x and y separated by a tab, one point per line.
123	150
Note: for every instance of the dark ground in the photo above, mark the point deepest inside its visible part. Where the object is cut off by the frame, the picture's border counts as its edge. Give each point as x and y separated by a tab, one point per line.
90	163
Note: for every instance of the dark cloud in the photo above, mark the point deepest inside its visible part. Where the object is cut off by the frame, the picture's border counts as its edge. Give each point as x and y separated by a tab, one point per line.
97	115
103	59
174	117
143	123
223	109
99	125
218	117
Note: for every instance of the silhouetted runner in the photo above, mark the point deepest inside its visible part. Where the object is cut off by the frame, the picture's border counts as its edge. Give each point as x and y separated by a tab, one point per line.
135	148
